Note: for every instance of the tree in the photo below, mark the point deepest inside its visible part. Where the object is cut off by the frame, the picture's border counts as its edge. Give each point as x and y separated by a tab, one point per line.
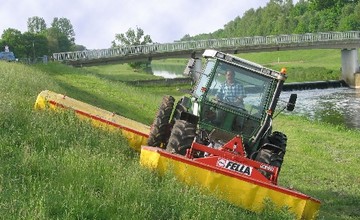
63	26
323	4
350	19
60	36
132	38
186	37
39	40
53	37
78	47
36	24
64	44
34	45
12	37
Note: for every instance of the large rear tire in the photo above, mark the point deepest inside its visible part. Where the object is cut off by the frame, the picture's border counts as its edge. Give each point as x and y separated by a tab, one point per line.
274	152
181	138
160	129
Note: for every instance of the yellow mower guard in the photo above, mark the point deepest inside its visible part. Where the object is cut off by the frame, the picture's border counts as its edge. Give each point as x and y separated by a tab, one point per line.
136	133
239	190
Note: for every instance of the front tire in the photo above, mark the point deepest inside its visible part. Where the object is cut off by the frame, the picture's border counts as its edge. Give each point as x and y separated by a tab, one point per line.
181	138
160	129
273	153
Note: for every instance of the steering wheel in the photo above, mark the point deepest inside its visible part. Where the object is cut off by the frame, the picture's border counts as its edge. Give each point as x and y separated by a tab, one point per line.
226	101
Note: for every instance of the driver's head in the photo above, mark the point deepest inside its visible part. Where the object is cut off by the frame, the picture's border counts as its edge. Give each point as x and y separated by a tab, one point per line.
230	76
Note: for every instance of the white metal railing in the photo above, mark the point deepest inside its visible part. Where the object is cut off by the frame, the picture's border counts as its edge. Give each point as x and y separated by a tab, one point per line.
206	44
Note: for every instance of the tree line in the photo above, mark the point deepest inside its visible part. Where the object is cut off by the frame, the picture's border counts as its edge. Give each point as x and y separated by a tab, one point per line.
39	39
283	17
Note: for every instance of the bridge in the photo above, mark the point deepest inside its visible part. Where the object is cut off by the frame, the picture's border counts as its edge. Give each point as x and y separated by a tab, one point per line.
347	42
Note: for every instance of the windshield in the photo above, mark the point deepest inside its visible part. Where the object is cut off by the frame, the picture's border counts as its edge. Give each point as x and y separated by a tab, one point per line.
240	89
236	100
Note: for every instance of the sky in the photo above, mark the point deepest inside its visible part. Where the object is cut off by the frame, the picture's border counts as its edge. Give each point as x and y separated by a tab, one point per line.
97	22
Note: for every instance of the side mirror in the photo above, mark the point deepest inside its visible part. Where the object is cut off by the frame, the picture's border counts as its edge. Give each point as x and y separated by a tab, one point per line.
189	66
291	104
191	71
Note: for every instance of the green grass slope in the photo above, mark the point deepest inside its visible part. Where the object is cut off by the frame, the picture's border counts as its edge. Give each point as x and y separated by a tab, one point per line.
53	166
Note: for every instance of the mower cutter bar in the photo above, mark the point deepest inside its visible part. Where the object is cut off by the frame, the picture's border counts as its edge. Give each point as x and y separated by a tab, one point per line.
244	191
135	132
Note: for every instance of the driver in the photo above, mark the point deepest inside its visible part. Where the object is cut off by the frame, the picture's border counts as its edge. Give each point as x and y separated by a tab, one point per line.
231	92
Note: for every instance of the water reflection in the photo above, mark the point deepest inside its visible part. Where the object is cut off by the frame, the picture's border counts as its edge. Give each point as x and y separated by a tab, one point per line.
165	74
168	71
337	106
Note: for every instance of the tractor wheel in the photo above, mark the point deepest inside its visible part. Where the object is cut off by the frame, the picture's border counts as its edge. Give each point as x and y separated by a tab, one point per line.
160	129
273	155
178	109
181	138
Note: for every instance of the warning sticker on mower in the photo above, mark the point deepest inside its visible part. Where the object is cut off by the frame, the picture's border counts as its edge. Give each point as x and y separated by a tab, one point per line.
231	165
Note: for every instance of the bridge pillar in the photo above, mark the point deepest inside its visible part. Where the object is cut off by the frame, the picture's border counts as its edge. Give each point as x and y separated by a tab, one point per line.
350	67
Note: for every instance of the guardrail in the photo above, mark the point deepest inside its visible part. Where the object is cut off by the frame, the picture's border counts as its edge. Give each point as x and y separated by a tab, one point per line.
206	44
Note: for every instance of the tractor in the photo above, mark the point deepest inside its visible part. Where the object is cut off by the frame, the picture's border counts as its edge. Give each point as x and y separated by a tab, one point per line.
207	123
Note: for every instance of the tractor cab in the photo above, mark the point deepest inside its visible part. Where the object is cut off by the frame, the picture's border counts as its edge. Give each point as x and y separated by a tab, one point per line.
243	107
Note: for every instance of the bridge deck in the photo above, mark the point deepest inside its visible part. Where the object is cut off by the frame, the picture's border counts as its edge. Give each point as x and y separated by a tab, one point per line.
186	49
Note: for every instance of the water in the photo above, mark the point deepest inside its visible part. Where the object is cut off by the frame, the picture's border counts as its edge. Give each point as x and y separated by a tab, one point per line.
338	106
166	74
168	71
